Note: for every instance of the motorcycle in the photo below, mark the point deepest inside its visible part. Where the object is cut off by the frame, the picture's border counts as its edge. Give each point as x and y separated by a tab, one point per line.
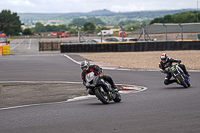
179	75
101	88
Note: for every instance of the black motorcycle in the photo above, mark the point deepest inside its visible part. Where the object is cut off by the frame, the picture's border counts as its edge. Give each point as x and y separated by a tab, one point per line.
101	89
179	75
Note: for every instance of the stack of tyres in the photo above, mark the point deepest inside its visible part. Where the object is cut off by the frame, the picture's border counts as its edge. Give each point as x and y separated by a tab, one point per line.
76	49
102	48
99	48
87	48
106	47
6	50
80	49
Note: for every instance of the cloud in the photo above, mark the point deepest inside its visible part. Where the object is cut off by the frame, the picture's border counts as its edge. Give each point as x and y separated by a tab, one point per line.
66	6
21	3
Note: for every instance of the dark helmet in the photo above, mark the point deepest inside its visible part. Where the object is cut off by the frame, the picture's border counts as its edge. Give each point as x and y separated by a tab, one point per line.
85	64
164	58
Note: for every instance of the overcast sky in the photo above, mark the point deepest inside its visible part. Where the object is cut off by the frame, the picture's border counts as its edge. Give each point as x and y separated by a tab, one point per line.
69	6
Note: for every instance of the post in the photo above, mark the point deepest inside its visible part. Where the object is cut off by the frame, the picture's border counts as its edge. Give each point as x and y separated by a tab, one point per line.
122	32
181	31
144	36
101	32
165	31
79	35
51	45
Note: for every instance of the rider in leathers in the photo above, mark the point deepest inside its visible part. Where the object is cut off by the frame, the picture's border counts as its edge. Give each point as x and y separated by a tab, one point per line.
86	67
165	63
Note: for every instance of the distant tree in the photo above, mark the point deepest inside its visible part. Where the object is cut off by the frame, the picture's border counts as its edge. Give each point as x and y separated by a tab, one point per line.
96	21
168	18
10	23
49	28
62	27
79	21
72	24
27	32
131	27
89	27
121	23
183	17
39	27
157	20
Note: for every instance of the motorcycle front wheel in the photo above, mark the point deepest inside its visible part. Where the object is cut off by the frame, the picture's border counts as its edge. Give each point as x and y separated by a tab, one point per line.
102	95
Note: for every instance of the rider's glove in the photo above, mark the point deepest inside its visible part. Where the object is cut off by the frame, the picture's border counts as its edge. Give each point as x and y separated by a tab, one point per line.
179	61
162	70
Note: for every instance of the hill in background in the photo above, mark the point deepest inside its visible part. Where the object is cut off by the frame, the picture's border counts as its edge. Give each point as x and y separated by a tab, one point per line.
109	17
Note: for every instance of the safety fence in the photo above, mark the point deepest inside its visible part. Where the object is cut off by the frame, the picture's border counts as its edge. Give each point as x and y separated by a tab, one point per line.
130	47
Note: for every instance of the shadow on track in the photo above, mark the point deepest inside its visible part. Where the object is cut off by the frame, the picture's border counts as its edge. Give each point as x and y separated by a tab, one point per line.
176	88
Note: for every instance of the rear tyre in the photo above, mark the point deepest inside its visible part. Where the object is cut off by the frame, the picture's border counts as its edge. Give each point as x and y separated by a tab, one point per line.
188	84
182	82
102	95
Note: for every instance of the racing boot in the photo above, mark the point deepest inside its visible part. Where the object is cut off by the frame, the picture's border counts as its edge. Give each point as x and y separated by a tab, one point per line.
115	88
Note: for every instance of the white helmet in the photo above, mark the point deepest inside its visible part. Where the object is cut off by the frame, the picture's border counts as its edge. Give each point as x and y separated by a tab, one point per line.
164	58
85	64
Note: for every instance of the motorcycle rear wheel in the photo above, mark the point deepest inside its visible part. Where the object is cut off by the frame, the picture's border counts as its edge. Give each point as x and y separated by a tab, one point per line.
182	82
102	95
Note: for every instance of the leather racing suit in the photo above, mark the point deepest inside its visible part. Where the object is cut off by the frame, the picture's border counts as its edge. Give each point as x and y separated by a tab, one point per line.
168	63
97	71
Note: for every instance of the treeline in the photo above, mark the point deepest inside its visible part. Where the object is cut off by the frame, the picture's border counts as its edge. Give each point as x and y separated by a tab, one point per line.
82	21
10	23
87	27
183	17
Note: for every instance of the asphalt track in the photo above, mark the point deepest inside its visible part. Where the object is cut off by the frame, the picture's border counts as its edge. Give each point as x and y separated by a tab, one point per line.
159	109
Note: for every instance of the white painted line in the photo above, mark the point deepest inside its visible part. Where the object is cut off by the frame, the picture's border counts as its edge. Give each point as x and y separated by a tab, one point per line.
16	45
41	82
72	59
29	45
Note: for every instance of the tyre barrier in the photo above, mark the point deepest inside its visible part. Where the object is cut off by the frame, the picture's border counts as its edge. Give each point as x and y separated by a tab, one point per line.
51	46
130	47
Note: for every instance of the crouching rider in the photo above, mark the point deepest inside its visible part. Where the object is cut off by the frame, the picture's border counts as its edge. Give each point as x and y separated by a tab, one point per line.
86	68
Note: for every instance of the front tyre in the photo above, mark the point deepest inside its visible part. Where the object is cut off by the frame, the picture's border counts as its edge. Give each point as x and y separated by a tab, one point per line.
102	95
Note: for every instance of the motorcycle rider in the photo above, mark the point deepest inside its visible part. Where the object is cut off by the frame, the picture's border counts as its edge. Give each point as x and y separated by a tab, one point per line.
86	67
165	63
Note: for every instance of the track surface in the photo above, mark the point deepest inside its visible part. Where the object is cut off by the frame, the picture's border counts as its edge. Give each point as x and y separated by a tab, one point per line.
160	109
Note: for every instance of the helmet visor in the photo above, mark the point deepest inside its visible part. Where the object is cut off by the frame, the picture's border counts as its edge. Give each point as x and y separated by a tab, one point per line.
84	67
163	60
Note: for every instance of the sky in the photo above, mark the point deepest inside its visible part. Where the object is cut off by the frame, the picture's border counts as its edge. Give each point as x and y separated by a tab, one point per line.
70	6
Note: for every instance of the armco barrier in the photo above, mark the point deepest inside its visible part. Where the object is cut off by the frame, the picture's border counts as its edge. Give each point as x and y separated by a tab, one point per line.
130	47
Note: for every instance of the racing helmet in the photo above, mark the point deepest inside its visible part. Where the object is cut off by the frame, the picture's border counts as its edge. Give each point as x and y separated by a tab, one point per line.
85	64
164	58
